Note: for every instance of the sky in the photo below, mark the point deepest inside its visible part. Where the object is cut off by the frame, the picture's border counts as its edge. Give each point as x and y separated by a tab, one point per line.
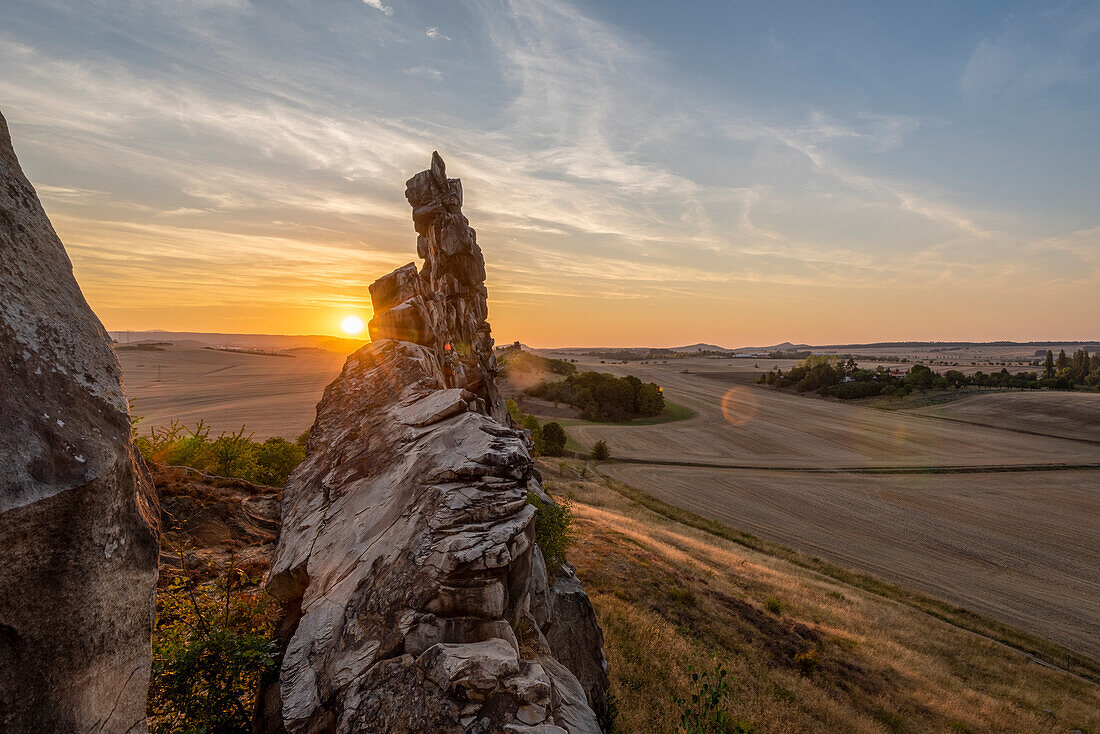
638	172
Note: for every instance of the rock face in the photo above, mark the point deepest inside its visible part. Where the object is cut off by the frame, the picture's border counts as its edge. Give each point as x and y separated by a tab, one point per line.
77	515
418	600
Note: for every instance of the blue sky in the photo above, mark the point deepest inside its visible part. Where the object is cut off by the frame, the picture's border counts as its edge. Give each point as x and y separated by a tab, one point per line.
638	172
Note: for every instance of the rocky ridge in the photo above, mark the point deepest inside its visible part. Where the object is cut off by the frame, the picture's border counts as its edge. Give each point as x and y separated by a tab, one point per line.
78	518
417	598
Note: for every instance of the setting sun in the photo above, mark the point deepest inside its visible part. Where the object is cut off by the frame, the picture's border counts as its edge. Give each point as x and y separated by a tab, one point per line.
352	325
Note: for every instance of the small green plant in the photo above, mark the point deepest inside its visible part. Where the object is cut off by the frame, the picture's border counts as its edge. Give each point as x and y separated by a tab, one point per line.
600	451
705	710
773	605
553	529
211	645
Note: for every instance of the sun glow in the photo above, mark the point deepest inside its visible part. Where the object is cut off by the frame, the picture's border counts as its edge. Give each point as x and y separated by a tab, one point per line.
352	325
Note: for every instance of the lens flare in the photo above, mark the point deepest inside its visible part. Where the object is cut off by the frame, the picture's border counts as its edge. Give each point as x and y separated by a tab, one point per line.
739	406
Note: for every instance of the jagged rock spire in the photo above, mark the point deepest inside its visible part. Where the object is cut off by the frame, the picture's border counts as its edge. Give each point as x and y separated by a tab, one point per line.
444	306
416	597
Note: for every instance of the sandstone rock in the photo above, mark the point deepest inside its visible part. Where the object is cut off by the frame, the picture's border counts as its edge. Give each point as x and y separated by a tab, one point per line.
407	544
77	514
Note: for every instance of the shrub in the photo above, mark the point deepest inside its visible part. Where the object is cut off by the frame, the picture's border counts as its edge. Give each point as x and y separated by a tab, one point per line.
553	439
807	662
275	461
600	451
211	644
553	529
773	605
229	455
704	712
303	439
233	455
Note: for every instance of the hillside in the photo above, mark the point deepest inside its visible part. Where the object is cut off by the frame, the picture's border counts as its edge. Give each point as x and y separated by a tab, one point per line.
672	598
827	656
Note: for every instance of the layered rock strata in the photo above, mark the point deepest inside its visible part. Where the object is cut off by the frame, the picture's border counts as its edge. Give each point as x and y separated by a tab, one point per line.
417	599
77	514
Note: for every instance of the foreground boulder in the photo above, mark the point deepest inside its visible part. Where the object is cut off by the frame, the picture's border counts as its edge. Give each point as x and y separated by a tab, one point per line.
77	517
417	599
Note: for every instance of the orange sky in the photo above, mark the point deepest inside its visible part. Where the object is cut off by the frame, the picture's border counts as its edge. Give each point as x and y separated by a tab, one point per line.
231	166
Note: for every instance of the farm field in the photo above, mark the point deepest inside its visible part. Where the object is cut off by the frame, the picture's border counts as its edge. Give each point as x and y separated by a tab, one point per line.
946	518
1069	415
270	395
1019	546
737	423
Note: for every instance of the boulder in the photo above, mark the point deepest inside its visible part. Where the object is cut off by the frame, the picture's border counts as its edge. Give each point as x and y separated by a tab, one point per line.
406	557
78	517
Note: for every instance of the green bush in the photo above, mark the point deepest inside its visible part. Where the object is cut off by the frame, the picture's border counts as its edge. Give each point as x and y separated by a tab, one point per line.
553	529
773	605
211	644
600	451
704	711
229	455
553	439
276	459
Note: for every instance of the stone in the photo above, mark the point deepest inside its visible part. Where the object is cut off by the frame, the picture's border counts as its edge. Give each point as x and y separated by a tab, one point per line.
407	552
78	516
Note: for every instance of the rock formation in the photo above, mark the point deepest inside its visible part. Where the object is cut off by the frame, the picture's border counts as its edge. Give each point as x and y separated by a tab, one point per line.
77	515
417	599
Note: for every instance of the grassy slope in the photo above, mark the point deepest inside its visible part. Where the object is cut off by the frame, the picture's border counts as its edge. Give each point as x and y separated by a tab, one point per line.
672	594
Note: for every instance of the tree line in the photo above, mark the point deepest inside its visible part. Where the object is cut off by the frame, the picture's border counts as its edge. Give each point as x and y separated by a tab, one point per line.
604	397
831	376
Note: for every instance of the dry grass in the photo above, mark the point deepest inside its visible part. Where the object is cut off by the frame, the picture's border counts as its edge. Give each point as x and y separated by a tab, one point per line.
672	597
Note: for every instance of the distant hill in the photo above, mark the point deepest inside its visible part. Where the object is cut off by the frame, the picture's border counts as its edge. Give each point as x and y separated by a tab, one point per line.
246	341
701	347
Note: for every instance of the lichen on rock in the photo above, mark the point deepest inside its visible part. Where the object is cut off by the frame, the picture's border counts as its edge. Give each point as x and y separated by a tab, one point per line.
417	599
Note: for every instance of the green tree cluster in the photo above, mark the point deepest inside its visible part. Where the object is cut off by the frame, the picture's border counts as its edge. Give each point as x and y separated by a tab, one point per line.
229	455
604	397
831	376
549	438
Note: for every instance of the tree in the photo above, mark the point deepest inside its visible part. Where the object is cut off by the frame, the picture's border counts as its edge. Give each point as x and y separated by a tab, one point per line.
1063	361
600	451
1080	364
553	439
1048	365
531	423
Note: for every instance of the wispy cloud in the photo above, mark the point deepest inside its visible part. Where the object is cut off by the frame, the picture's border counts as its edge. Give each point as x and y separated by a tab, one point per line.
590	168
377	5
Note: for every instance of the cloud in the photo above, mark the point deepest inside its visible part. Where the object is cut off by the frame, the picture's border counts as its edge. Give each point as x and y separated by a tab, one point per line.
1033	54
377	5
436	33
591	170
